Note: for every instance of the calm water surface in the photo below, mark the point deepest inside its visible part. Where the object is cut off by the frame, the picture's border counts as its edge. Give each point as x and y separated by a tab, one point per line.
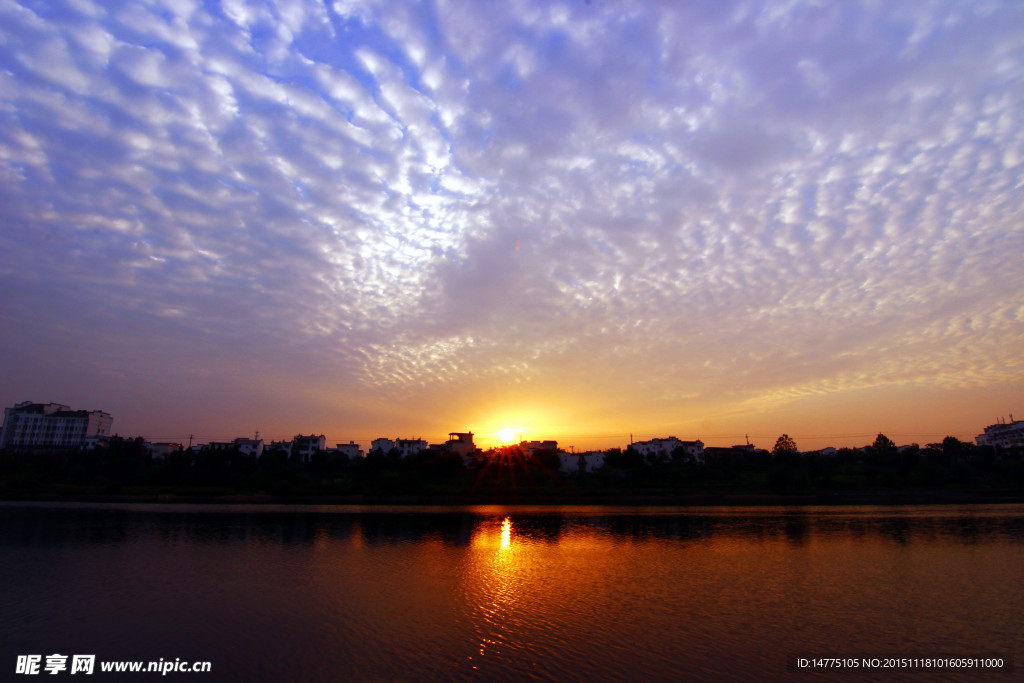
309	593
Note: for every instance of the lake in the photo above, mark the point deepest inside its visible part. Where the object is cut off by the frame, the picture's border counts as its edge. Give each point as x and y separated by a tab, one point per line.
320	593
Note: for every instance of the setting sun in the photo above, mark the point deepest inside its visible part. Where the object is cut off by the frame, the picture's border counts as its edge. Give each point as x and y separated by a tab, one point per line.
507	435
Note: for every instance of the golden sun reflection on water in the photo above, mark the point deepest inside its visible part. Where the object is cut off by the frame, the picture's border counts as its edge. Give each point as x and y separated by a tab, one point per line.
506	533
494	587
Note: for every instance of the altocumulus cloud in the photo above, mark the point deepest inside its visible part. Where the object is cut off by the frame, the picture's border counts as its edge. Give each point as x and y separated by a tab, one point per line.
703	199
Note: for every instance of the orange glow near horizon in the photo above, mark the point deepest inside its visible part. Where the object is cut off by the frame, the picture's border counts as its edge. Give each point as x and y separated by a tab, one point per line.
848	419
503	429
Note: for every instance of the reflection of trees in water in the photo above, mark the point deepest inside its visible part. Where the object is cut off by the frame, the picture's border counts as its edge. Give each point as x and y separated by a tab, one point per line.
896	529
546	528
796	529
398	528
642	527
30	526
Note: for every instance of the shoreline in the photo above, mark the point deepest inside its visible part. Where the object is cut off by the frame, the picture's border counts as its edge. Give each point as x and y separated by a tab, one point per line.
702	499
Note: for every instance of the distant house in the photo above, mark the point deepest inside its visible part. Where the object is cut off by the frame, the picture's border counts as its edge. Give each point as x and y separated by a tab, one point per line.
303	447
713	452
407	447
350	450
382	446
460	443
253	447
403	447
664	448
53	425
532	447
161	449
585	463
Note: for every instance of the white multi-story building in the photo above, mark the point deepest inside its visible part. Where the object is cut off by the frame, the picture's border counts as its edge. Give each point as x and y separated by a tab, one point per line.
252	447
665	447
588	462
407	447
461	443
53	425
382	446
403	447
1003	434
303	447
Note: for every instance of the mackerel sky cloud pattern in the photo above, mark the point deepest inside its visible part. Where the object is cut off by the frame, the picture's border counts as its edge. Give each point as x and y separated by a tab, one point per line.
362	217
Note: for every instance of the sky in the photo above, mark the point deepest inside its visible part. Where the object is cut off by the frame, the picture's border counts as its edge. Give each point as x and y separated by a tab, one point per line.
592	221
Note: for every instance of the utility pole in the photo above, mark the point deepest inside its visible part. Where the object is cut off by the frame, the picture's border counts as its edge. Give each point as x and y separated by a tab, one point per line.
190	441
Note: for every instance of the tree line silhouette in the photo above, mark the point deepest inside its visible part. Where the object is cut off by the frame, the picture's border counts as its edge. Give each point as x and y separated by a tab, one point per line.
125	466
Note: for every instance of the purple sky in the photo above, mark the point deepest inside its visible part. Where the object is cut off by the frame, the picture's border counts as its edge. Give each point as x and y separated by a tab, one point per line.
579	220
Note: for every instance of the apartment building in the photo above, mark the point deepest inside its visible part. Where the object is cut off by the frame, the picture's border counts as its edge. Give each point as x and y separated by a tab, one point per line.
53	425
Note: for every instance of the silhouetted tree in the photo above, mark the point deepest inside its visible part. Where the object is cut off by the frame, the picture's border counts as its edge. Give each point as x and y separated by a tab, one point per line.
883	445
953	447
784	444
628	462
